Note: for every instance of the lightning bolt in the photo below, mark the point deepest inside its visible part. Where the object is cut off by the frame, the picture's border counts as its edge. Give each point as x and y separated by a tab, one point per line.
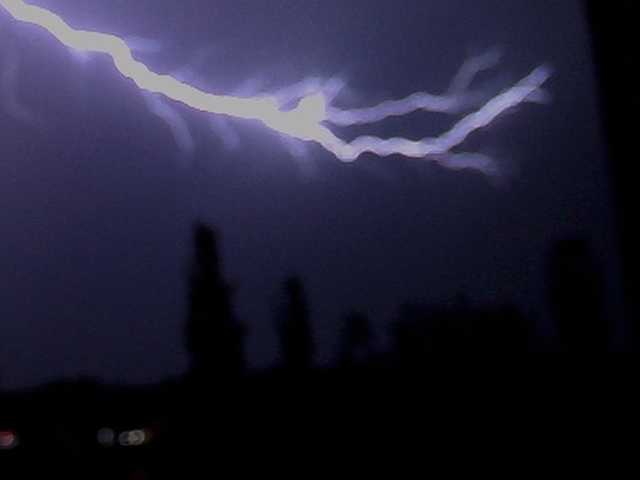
314	117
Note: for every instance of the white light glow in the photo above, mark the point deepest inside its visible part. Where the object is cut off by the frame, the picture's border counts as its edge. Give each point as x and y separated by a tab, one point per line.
132	438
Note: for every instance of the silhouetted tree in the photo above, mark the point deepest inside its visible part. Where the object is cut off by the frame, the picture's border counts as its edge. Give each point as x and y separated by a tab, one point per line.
576	295
214	337
356	340
294	327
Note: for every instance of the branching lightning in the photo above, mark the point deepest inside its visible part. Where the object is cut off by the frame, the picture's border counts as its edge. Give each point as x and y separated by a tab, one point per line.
306	112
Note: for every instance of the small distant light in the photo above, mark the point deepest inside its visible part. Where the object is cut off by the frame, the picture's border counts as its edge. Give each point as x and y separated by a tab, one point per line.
132	438
8	440
106	437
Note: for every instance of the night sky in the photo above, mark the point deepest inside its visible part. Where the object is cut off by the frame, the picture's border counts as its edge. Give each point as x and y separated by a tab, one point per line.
97	201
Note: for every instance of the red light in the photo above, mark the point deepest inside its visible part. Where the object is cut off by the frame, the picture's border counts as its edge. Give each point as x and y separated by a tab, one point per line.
8	440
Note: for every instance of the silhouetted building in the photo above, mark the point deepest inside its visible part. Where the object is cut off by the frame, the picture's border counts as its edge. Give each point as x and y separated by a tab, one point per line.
576	295
214	336
294	327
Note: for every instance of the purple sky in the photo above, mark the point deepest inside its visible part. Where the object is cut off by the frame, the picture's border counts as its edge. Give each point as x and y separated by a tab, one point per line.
97	201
